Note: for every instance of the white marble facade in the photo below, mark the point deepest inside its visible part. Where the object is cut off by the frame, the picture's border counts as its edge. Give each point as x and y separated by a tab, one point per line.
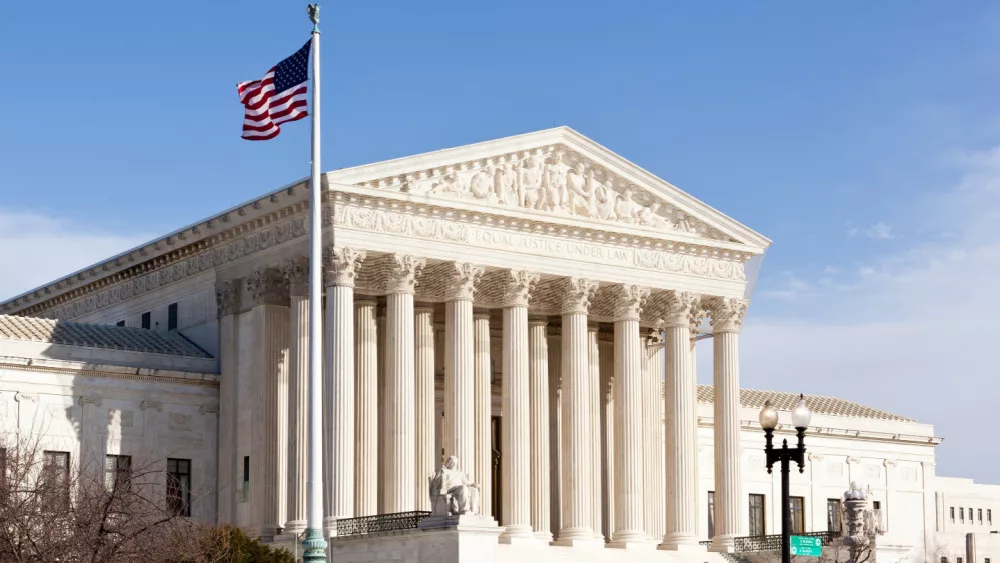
539	283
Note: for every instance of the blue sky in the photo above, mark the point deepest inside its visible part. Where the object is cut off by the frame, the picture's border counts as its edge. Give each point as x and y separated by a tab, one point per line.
861	137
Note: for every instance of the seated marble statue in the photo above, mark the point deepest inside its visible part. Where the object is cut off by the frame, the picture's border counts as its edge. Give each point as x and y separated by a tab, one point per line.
451	491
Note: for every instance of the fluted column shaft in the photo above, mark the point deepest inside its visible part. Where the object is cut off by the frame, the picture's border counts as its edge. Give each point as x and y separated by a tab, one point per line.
366	409
516	418
399	434
727	319
555	431
594	356
538	350
426	459
656	526
629	391
483	390
384	472
459	384
607	436
577	515
340	376
680	405
629	396
298	415
271	326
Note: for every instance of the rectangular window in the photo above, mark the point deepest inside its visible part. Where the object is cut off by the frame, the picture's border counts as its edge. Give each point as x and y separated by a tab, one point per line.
989	516
147	320
979	513
833	514
120	323
172	316
961	514
944	560
952	511
881	518
117	472
959	560
246	476
798	506
757	515
55	480
3	468
711	514
179	486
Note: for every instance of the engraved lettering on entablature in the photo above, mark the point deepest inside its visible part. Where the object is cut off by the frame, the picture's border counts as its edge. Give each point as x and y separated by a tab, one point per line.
551	179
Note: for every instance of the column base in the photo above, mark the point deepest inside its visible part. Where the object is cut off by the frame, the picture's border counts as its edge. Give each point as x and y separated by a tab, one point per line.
295	527
522	540
546	537
723	544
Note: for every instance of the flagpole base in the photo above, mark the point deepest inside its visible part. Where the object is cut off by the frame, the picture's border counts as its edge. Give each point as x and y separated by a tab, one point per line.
315	546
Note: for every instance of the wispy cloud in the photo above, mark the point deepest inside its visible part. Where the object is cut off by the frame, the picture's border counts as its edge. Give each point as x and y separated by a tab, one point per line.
879	231
913	334
38	248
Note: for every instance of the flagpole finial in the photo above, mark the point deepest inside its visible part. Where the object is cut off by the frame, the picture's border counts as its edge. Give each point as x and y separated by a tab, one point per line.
313	10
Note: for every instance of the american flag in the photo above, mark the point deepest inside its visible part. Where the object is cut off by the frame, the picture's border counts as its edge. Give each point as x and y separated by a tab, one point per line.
277	98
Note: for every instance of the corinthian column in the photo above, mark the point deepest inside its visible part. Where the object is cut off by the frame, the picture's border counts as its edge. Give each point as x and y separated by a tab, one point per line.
267	292
629	391
399	435
516	417
483	412
227	299
607	435
458	438
296	272
340	268
727	318
594	356
578	443
424	423
680	404
366	408
538	351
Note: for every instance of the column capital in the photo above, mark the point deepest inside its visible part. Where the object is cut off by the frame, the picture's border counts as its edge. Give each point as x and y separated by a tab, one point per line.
629	301
653	339
518	286
678	308
227	297
727	313
463	279
296	271
577	294
538	321
401	272
340	265
267	286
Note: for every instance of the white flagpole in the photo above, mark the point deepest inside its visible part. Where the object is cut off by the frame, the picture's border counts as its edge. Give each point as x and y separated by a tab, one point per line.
315	545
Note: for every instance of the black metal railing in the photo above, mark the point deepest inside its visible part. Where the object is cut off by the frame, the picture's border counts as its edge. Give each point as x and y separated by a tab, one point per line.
378	523
773	543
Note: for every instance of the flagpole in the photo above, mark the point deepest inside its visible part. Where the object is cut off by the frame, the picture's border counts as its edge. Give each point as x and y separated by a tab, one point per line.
315	545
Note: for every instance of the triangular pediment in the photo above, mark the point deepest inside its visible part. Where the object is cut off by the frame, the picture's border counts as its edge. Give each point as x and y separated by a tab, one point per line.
553	173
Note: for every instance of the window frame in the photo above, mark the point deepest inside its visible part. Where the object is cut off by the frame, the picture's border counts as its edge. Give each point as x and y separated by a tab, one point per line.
59	499
120	475
146	320
761	506
797	514
952	512
711	514
836	514
172	316
179	486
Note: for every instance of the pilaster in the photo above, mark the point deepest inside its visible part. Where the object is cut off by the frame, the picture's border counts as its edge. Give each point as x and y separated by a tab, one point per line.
227	299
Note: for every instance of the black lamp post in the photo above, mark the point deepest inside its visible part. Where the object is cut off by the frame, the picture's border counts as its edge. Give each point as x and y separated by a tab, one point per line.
785	455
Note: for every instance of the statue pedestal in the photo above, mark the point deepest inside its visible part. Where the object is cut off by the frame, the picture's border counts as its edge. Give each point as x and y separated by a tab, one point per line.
459	539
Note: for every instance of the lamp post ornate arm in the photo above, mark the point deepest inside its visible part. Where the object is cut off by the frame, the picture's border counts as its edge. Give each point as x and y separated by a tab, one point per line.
785	456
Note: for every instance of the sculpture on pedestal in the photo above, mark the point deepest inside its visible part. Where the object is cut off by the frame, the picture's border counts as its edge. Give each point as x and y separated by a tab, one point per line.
861	528
452	492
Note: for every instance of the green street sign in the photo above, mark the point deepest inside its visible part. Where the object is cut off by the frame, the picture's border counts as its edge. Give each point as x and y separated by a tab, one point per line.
809	546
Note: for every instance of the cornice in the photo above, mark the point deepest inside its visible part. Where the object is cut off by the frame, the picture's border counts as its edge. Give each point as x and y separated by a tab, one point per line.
212	383
867	435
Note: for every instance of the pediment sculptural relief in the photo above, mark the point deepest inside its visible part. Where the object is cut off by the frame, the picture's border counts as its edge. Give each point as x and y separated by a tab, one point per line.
552	180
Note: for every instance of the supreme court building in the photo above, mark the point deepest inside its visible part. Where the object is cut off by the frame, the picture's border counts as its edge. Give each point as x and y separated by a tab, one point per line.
530	305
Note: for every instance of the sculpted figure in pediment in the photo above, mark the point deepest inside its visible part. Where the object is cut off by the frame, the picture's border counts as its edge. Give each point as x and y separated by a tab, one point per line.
581	195
531	183
606	198
505	184
481	185
626	208
448	184
554	181
649	216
